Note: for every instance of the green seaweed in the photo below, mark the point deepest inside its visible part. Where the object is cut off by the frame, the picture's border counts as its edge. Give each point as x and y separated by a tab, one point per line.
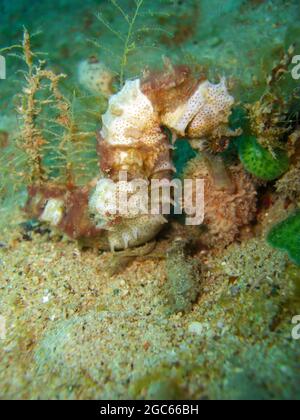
286	237
259	161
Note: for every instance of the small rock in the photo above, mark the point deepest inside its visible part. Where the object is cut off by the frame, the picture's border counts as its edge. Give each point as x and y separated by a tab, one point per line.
221	325
195	328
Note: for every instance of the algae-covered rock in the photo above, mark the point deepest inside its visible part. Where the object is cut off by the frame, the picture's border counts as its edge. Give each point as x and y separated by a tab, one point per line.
260	162
286	237
162	383
164	390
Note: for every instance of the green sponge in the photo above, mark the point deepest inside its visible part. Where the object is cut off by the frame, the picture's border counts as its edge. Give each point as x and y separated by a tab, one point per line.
286	236
259	161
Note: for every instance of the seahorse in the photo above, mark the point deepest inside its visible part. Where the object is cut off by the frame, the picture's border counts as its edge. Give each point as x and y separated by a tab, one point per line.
134	140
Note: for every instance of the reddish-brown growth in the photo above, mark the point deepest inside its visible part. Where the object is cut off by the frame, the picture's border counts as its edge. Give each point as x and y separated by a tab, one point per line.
142	160
76	222
169	88
229	206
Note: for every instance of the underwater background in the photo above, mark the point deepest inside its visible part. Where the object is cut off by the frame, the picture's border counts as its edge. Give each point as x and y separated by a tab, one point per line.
207	312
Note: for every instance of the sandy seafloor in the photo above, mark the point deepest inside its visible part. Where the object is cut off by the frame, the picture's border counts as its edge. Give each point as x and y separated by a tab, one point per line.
76	331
